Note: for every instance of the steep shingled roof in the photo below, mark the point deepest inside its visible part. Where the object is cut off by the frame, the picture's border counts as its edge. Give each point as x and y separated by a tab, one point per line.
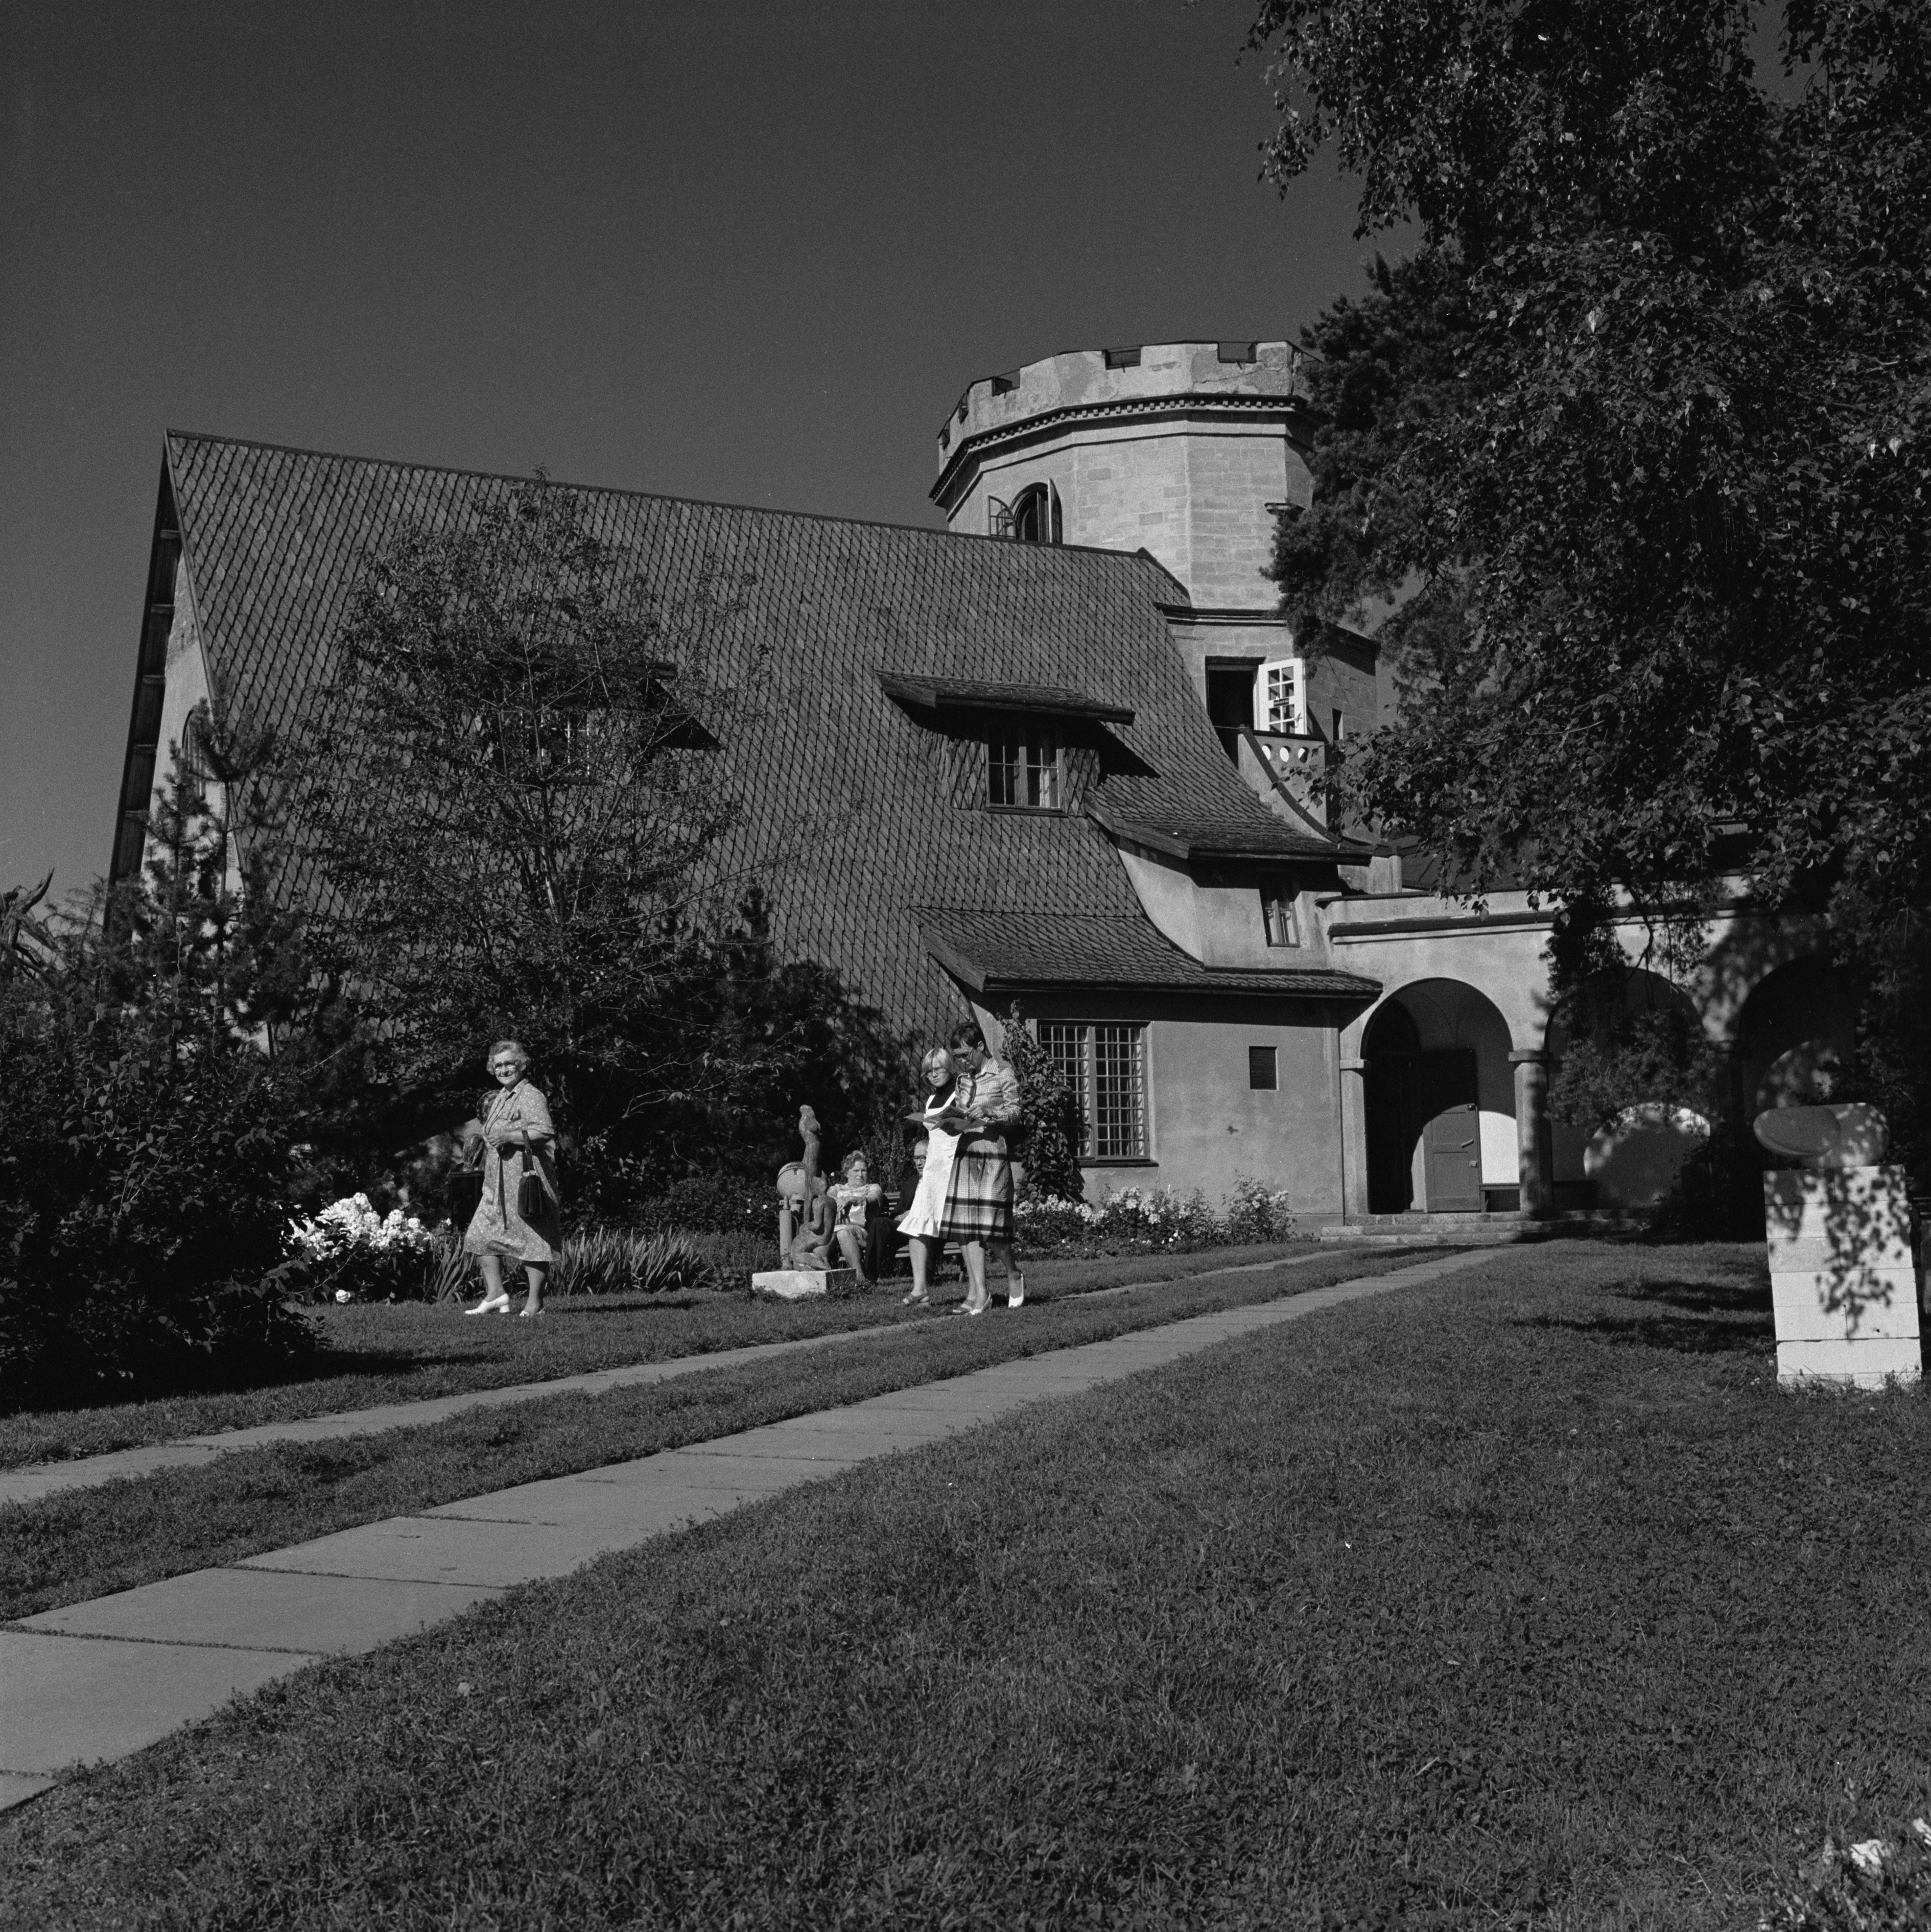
273	539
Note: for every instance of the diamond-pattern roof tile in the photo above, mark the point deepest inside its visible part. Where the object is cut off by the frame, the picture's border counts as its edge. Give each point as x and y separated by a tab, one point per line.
853	796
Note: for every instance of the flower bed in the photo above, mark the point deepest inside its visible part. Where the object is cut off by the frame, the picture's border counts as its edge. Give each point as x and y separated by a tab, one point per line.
1139	1221
350	1252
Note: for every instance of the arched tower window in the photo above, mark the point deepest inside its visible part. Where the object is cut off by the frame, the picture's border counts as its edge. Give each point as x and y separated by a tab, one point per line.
1036	515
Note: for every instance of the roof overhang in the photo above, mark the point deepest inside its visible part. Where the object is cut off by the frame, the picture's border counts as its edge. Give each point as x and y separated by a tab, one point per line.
942	693
1266	846
1077	958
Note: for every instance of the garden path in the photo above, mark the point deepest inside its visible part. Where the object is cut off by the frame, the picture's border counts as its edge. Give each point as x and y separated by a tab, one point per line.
32	1481
101	1680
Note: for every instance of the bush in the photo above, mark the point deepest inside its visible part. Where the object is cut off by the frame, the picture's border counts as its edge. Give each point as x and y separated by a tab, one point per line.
1255	1213
145	1167
716	1203
142	1205
1052	1127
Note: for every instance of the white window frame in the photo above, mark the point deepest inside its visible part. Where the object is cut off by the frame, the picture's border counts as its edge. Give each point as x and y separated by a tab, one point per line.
1075	1047
1280	915
1280	695
1035	777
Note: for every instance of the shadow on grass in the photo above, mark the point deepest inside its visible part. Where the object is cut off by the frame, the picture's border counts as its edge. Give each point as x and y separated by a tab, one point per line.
1680	1335
1730	1314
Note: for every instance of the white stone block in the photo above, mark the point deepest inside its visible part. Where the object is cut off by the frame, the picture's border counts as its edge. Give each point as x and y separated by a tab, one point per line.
1865	1363
1841	1304
1844	1282
1859	1205
798	1284
789	1284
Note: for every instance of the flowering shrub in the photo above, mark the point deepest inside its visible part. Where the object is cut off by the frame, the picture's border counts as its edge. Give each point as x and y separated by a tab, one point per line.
1255	1213
350	1253
1148	1221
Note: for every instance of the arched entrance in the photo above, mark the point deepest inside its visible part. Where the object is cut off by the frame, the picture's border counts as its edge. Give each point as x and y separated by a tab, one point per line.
1440	1103
1627	1150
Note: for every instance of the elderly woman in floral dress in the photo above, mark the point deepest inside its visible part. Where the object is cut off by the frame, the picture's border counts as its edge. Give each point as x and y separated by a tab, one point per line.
518	1139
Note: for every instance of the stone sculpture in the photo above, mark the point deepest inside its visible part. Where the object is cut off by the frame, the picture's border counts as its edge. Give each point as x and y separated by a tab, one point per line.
1824	1139
807	1223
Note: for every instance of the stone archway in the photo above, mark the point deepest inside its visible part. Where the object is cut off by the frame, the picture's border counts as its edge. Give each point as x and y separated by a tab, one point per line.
1439	1097
1630	1157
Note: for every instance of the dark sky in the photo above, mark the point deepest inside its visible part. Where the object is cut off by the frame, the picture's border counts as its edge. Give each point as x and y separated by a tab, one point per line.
750	252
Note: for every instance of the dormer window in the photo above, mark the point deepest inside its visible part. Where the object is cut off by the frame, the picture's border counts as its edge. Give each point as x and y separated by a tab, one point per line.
1022	766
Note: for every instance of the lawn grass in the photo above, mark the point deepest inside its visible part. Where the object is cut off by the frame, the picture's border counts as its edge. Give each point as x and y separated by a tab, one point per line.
409	1351
1524	1599
84	1543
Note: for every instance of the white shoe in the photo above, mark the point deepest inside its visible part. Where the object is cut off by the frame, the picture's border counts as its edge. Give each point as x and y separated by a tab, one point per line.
1015	1292
500	1305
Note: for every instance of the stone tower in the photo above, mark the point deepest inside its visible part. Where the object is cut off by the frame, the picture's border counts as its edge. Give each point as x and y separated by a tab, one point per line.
1184	449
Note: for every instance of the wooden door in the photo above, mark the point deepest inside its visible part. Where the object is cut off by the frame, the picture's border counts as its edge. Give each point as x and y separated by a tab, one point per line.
1451	1133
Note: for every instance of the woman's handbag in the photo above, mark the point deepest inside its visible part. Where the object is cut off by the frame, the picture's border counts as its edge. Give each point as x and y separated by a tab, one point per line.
532	1197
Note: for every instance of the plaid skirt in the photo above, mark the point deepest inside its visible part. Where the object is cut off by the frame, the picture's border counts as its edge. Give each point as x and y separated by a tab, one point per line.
978	1207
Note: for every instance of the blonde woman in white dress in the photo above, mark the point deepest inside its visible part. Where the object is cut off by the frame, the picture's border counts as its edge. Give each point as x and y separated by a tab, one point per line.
925	1220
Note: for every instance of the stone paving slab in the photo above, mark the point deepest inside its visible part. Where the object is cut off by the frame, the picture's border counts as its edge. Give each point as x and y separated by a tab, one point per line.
67	1700
169	1653
746	1478
31	1481
444	1550
649	1500
266	1610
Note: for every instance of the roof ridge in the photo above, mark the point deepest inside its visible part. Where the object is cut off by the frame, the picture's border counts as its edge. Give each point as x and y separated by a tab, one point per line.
1140	556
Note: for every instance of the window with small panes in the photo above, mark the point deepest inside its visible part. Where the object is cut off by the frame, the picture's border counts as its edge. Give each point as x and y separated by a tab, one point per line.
1024	768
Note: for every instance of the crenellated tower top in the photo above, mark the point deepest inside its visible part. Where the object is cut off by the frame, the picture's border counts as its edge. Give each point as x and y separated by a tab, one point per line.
1184	449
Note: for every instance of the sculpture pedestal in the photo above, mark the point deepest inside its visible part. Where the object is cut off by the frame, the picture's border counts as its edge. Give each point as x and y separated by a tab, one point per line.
794	1284
1842	1276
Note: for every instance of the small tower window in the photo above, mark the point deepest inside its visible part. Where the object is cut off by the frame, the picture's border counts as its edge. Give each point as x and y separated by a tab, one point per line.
1263	1069
1035	516
1023	768
1277	913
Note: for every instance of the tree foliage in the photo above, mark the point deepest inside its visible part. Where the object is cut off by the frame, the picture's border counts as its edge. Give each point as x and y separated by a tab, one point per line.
505	803
1638	440
513	817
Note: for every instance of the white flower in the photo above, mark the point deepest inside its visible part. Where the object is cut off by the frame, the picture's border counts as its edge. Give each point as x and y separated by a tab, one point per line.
1868	1855
343	1295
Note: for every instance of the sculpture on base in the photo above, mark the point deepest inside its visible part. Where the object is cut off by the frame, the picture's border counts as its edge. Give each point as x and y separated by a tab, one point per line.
807	1227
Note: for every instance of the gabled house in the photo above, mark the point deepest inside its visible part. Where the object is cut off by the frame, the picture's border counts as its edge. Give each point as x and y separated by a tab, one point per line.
975	772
